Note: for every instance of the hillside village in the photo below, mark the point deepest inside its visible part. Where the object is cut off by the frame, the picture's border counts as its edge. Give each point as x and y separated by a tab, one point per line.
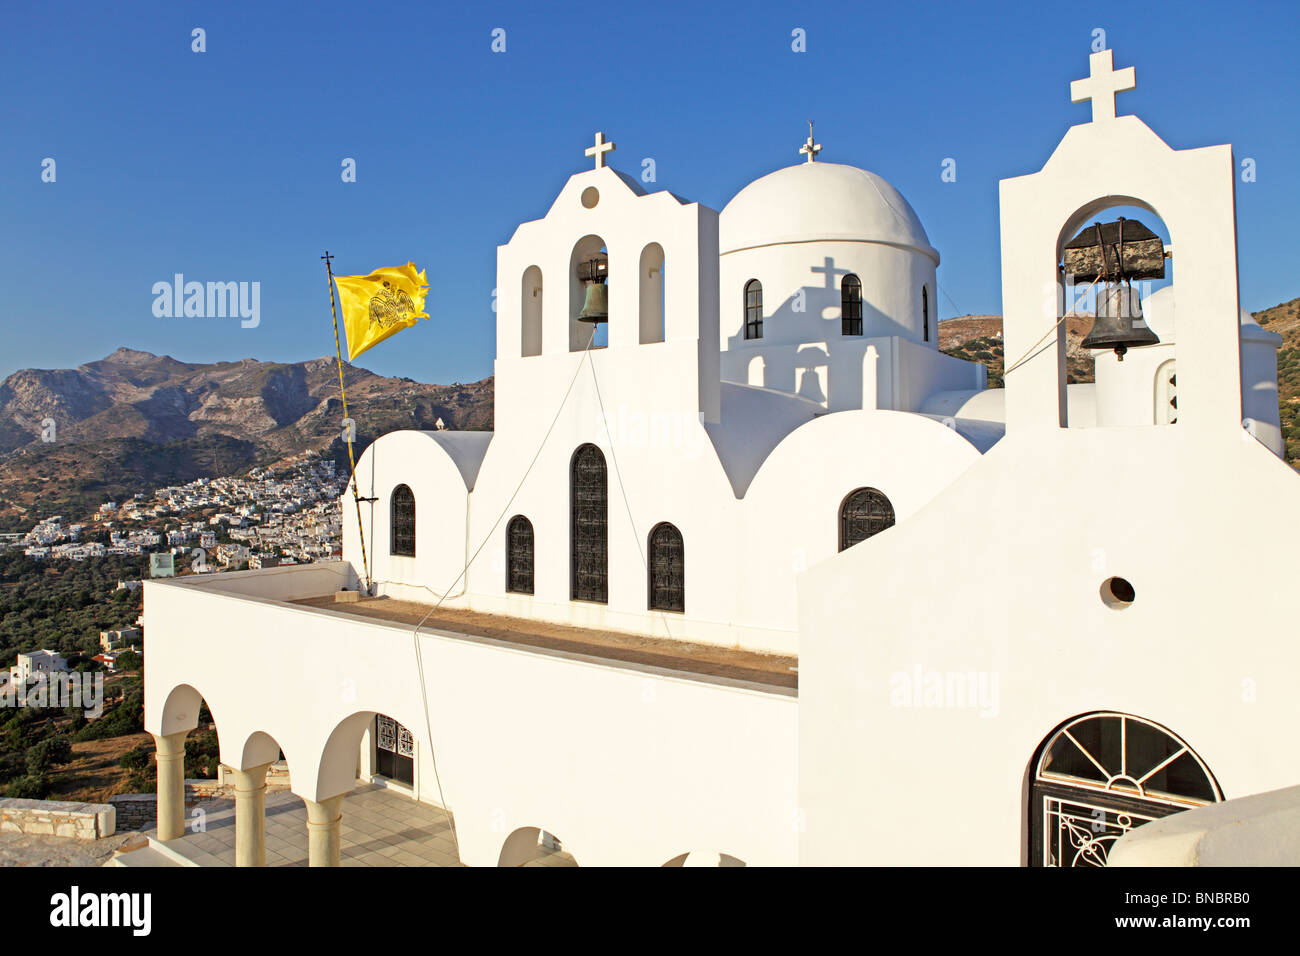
289	514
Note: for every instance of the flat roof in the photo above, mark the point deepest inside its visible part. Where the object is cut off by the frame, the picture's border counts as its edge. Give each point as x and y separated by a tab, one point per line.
710	660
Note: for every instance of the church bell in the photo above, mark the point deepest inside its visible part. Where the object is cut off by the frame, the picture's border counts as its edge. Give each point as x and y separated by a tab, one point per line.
594	272
1114	254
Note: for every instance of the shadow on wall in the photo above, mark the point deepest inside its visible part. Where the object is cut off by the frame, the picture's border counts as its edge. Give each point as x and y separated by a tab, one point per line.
791	359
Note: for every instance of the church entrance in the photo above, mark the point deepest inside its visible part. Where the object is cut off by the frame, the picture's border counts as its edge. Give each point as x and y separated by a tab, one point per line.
394	751
1101	775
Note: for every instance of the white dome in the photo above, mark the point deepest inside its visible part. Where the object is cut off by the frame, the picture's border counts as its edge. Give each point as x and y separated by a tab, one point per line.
821	201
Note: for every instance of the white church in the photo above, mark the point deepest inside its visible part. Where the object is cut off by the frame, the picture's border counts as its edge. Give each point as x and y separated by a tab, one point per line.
1038	625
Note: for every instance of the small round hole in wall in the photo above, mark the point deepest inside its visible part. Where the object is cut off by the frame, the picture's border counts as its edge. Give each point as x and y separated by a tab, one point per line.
590	196
1117	593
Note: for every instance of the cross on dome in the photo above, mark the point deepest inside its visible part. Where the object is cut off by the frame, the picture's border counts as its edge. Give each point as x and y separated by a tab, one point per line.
1101	85
810	149
600	149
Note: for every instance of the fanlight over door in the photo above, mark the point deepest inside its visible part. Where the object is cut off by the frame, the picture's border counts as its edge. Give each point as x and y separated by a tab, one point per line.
1101	775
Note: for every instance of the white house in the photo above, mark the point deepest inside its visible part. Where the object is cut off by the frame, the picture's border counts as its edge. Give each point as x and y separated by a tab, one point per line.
1082	618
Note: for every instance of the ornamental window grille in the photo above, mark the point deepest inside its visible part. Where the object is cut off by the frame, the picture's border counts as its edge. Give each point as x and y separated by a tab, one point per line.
401	536
925	314
394	750
1100	776
667	569
850	305
519	559
753	309
863	513
589	532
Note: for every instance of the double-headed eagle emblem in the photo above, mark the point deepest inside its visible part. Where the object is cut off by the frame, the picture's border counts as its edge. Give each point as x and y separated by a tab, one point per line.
389	308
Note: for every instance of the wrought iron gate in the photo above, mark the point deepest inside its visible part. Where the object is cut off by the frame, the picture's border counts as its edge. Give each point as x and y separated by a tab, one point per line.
394	750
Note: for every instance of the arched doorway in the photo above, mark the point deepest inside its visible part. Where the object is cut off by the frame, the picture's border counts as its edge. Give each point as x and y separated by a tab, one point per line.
864	512
1098	776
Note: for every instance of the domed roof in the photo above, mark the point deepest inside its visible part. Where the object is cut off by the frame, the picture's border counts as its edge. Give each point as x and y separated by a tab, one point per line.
821	201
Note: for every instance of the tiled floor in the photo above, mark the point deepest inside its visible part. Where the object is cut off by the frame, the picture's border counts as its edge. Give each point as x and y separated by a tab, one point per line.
381	827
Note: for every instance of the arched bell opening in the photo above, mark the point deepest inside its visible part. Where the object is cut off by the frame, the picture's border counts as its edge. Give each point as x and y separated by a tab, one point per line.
1114	254
589	294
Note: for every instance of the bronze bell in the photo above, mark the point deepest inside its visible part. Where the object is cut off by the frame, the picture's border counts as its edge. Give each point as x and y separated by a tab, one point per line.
594	272
1115	254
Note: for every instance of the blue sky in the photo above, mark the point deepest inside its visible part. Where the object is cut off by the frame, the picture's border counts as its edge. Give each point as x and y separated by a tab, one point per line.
225	165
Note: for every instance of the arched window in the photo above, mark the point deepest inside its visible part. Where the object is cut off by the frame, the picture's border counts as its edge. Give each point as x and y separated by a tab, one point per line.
753	309
401	529
863	513
1100	775
589	538
667	569
652	294
530	312
925	314
519	555
850	305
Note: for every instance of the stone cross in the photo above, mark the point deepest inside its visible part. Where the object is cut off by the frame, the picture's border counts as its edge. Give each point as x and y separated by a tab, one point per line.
600	149
810	149
1101	85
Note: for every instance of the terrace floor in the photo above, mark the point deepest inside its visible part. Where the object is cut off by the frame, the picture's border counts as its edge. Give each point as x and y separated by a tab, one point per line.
705	660
381	827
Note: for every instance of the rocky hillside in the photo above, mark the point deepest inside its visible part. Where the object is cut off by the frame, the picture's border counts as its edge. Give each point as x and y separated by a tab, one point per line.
134	421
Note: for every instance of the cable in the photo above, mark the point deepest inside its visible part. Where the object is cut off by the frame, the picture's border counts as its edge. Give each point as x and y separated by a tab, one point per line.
1065	314
415	634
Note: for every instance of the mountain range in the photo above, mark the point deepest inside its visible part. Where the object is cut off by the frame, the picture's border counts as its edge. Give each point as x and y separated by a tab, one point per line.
135	421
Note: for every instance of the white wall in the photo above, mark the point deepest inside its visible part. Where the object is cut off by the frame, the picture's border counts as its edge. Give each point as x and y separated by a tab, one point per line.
624	765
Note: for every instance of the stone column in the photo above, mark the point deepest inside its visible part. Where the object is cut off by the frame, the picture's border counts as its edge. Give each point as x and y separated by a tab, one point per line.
250	816
171	784
324	831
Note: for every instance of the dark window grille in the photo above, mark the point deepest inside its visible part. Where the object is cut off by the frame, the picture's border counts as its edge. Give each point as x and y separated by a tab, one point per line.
850	305
753	309
925	313
864	512
402	529
667	569
394	750
589	532
519	569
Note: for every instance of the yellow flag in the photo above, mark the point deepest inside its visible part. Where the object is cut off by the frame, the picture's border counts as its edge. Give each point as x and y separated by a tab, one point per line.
380	304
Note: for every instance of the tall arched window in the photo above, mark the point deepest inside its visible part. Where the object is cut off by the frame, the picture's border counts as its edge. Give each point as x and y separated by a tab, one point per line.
401	529
925	314
667	569
850	305
519	555
863	513
1100	775
753	309
589	538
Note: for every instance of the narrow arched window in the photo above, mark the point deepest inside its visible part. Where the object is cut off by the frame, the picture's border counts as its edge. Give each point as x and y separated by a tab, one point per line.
588	529
530	312
925	314
753	309
667	569
850	305
519	555
401	534
863	513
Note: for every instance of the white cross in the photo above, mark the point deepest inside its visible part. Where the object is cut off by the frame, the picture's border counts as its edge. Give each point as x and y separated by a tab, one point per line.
600	149
810	149
1101	85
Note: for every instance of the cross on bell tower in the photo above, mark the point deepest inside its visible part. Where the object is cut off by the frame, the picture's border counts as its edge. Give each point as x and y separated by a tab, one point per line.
1101	85
600	149
810	149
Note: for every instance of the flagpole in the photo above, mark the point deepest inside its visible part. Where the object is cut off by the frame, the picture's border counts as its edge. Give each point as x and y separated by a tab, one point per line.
338	351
